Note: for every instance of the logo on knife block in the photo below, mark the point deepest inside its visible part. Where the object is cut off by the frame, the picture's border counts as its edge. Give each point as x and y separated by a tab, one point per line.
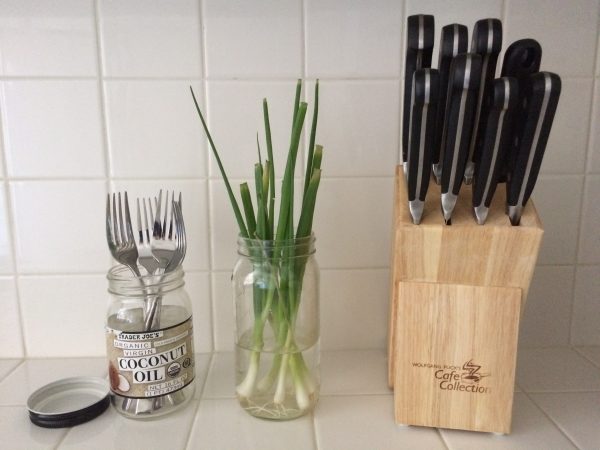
465	378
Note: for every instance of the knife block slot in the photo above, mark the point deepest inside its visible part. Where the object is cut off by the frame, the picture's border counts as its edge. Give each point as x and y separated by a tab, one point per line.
457	293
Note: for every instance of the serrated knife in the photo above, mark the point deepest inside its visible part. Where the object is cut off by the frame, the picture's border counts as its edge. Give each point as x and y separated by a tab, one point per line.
425	95
463	83
542	101
487	42
454	40
497	139
420	32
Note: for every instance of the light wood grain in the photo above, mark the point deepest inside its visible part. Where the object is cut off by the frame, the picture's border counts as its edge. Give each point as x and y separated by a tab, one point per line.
456	328
494	254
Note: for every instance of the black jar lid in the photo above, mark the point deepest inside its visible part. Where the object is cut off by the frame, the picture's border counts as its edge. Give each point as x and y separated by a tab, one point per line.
69	402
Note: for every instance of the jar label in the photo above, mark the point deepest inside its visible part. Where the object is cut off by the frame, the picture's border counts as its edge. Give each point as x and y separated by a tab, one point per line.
150	363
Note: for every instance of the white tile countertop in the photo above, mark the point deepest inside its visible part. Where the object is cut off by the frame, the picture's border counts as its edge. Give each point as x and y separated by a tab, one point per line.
557	406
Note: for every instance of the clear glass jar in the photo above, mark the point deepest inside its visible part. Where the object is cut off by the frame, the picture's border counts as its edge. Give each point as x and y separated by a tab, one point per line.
149	341
276	295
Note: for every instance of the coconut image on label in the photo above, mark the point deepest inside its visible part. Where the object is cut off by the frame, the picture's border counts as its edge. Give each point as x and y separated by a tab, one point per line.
117	381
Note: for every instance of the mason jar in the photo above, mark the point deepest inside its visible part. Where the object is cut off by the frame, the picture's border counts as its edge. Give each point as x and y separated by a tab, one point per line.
276	297
149	342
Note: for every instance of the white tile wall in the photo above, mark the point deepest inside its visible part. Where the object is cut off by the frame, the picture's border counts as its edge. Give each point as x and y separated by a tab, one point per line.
94	96
152	130
145	38
11	341
261	38
63	315
52	129
589	243
38	38
358	39
594	158
568	35
586	314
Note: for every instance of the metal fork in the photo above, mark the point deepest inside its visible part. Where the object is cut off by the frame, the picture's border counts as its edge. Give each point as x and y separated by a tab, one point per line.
168	246
145	256
163	245
119	233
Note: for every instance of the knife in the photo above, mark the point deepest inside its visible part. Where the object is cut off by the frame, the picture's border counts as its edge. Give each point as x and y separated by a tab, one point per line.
453	41
541	105
497	139
465	72
487	42
425	95
521	59
419	46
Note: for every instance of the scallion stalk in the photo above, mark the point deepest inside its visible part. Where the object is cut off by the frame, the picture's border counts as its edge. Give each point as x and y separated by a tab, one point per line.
278	270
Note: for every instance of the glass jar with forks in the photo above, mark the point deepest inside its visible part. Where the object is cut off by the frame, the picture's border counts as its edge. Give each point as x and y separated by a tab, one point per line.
149	332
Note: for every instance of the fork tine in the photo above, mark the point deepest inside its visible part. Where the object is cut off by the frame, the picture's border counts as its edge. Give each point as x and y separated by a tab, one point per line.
157	231
109	233
147	228
180	204
180	227
140	229
115	222
122	232
128	220
166	215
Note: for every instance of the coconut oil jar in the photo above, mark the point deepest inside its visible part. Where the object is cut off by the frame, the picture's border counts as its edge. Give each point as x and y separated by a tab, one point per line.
149	343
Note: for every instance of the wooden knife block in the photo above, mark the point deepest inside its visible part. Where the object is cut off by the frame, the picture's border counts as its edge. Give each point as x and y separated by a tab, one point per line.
457	293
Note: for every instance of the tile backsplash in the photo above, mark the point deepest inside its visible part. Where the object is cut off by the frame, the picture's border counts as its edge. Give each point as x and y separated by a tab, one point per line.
94	97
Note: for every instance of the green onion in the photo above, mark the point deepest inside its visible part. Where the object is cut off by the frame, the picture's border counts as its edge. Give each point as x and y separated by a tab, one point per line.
234	204
276	302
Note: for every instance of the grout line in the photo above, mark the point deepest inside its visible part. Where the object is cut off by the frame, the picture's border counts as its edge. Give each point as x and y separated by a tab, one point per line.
13	370
10	219
208	197
62	439
102	96
231	79
575	271
441	436
587	358
15	179
357	394
314	430
400	82
587	164
552	421
557	391
200	398
304	37
323	269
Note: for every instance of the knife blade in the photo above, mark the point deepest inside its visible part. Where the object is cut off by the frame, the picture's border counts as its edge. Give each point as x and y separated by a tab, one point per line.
465	73
487	42
542	101
420	32
453	41
425	95
497	139
521	59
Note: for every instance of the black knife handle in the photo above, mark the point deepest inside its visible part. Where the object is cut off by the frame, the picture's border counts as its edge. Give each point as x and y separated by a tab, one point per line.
454	40
542	102
521	59
463	83
426	92
497	138
487	42
420	32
